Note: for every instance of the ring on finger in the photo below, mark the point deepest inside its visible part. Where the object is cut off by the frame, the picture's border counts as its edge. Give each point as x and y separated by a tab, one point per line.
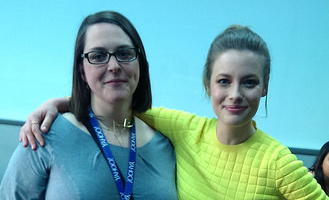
35	122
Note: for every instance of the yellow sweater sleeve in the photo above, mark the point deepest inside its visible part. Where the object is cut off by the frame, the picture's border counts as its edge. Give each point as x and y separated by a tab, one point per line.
259	168
174	124
294	180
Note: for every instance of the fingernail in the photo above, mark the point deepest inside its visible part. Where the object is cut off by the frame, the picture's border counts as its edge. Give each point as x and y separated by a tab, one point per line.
44	128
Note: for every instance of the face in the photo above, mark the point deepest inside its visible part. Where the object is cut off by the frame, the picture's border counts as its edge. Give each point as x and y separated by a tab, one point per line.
325	167
113	82
236	86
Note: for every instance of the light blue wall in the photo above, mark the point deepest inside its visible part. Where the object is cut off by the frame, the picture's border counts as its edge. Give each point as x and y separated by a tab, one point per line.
37	39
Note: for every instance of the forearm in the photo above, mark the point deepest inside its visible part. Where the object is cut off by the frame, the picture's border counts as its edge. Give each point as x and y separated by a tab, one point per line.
171	122
62	104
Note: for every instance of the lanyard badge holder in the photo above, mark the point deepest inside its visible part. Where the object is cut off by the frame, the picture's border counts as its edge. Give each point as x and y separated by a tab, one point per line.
96	131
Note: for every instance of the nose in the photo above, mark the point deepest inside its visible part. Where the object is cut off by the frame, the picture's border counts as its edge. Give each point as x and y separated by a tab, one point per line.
113	64
235	93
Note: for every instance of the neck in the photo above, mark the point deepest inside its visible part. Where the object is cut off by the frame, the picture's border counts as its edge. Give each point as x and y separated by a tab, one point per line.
110	115
113	126
233	135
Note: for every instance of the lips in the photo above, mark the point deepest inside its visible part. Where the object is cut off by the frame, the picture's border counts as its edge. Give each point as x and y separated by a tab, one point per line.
234	109
115	81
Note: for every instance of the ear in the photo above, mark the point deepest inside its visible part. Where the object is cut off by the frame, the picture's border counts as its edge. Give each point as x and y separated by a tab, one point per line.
208	91
264	93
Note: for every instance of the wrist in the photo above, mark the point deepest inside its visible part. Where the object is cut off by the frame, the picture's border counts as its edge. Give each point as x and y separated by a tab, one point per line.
62	104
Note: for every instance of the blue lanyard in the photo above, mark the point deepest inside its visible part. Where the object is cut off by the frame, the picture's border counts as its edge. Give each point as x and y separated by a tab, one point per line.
124	192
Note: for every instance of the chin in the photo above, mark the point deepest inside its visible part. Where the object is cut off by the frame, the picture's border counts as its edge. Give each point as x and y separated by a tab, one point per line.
237	121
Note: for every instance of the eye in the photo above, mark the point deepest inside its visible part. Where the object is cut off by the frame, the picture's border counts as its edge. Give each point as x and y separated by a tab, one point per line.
223	82
98	56
250	83
125	54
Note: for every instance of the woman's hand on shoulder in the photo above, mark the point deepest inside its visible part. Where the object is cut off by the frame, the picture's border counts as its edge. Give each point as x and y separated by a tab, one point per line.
46	113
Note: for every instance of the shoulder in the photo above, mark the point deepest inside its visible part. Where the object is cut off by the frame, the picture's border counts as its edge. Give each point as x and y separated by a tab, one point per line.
274	151
144	133
266	140
71	118
65	127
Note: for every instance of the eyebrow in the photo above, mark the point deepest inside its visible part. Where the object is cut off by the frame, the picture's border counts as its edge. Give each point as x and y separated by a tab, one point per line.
251	76
124	46
244	77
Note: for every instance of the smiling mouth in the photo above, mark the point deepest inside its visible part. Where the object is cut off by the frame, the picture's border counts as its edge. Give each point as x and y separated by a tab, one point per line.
235	109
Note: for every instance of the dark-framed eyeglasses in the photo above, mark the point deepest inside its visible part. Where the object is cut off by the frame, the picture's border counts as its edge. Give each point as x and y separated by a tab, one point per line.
99	57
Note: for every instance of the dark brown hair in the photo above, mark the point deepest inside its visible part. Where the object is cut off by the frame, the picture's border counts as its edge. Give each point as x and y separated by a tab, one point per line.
80	97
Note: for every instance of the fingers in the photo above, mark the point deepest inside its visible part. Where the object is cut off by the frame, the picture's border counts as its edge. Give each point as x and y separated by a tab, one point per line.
23	138
30	131
36	134
26	135
48	120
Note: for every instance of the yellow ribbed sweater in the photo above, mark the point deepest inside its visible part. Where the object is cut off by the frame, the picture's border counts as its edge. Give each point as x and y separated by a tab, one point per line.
259	168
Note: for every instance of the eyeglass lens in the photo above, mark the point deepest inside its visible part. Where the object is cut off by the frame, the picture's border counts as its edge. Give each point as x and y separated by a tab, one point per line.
122	55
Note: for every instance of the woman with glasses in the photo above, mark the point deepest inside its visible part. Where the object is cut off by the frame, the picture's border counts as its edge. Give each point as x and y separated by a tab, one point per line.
226	157
99	150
